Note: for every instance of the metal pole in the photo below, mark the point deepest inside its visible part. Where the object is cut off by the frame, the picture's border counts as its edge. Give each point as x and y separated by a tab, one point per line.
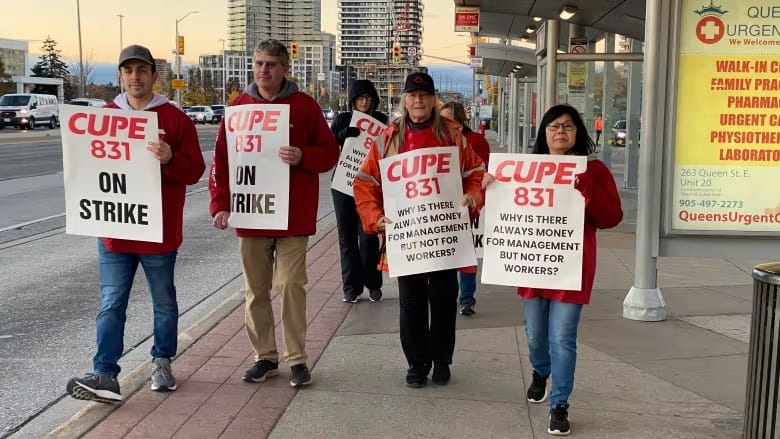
81	54
178	64
644	300
121	44
224	73
551	83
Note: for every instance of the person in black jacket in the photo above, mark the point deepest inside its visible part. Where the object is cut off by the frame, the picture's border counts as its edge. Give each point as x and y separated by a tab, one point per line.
359	251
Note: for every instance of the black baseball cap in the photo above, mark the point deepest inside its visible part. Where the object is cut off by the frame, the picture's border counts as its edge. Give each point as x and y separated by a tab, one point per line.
135	51
419	81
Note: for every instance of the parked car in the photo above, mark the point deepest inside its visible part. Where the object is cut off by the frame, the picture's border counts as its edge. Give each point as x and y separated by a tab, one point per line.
87	102
619	133
28	110
219	113
200	114
328	113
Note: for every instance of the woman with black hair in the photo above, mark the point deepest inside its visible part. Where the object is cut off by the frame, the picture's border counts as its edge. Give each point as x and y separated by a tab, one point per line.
552	316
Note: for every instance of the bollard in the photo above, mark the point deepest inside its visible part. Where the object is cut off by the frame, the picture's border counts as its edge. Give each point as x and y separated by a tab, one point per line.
763	379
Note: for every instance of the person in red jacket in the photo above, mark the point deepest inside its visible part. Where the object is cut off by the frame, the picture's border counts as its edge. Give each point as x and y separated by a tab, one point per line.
181	163
278	255
467	275
420	126
552	316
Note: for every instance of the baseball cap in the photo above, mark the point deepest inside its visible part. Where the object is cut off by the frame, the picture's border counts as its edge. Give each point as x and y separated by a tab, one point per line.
419	81
135	51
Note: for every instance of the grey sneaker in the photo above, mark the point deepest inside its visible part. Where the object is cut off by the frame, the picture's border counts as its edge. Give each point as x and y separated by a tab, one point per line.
94	387
162	376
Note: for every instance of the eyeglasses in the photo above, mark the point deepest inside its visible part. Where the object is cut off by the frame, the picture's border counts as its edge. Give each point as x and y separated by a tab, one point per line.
555	127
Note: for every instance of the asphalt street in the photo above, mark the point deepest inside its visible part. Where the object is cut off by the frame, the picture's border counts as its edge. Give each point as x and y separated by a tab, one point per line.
49	284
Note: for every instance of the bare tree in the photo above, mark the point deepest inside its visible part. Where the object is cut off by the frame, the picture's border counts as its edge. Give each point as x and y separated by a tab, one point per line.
89	67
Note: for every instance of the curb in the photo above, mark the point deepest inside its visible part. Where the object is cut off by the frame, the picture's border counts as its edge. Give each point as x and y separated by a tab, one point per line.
94	412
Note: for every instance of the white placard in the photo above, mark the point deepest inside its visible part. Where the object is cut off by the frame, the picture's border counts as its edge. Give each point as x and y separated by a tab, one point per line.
112	183
422	191
355	150
478	233
534	222
259	180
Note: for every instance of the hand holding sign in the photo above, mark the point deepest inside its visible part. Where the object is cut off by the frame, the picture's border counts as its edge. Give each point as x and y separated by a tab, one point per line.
161	150
291	155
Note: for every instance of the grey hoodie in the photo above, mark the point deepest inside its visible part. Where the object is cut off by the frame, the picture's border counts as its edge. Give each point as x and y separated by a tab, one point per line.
289	88
157	100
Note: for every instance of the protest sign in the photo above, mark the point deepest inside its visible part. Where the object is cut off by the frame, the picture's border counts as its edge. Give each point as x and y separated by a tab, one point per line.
478	233
355	150
259	180
422	191
112	183
534	222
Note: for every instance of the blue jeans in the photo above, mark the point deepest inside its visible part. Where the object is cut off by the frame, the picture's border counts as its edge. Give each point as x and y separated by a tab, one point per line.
117	271
551	330
468	285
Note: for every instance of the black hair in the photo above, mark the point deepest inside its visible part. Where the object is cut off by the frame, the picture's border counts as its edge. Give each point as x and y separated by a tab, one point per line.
583	144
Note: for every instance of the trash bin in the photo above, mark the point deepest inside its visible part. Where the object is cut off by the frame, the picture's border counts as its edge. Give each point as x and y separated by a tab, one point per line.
763	379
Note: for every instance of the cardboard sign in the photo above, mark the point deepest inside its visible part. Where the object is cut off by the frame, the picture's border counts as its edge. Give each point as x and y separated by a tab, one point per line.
112	183
534	222
355	150
430	230
259	179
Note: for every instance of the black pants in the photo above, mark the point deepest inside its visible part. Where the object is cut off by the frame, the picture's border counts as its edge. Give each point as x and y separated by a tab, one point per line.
359	250
598	136
423	344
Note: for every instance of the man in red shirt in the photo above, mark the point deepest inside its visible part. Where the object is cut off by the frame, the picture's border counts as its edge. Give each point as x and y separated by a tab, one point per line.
315	151
181	163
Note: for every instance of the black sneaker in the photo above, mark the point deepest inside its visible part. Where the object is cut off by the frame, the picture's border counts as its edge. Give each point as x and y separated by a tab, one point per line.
375	295
441	374
467	310
260	371
94	387
350	298
559	421
537	391
299	375
417	377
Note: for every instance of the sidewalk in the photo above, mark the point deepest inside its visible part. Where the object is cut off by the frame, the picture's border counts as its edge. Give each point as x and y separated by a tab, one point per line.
681	378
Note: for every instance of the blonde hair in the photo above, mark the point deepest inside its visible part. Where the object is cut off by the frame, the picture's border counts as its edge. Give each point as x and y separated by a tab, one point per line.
443	132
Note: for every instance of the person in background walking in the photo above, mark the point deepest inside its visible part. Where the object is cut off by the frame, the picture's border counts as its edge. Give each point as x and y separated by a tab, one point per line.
467	275
278	256
420	126
181	163
598	124
552	316
359	250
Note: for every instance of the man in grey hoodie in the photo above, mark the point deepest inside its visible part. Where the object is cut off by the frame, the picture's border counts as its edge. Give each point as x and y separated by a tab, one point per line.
181	164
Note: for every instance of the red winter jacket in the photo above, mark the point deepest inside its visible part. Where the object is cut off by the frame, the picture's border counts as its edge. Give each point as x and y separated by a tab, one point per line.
186	167
479	145
602	211
310	133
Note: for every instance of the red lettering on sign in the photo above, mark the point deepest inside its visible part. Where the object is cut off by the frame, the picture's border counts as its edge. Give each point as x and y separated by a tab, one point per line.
419	165
525	172
107	124
247	120
369	127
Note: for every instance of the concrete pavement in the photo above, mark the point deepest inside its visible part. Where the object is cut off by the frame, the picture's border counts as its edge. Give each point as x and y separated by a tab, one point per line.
681	378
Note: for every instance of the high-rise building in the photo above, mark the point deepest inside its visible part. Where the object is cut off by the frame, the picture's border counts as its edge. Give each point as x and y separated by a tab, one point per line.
368	29
252	21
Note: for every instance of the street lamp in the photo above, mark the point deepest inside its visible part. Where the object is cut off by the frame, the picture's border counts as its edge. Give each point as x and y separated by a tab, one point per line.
224	72
121	44
81	55
178	56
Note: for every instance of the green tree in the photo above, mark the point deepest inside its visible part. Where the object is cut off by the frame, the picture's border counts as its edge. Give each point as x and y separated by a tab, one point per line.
6	85
51	65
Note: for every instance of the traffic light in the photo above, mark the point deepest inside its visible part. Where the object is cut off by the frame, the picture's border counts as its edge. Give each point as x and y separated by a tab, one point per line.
396	54
181	45
294	51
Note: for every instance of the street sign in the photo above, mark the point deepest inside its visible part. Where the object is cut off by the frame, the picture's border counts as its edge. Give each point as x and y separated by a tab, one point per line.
466	19
320	76
411	51
476	62
178	84
180	43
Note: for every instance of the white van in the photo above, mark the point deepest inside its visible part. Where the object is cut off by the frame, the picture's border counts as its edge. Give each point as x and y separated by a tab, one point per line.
28	110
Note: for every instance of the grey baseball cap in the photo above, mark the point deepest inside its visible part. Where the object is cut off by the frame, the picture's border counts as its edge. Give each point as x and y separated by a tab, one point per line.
135	51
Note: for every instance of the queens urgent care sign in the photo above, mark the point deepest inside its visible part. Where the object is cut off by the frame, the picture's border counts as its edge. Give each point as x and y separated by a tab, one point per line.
466	19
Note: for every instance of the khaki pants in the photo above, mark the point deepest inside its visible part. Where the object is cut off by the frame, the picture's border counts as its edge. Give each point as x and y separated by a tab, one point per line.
257	263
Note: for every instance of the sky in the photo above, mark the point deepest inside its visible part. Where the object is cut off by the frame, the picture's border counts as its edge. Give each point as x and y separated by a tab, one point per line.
153	23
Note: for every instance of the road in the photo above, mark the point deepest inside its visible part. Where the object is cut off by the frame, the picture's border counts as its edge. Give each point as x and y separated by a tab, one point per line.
49	283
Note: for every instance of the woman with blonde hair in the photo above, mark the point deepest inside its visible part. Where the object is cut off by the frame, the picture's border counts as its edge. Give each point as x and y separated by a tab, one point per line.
420	126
